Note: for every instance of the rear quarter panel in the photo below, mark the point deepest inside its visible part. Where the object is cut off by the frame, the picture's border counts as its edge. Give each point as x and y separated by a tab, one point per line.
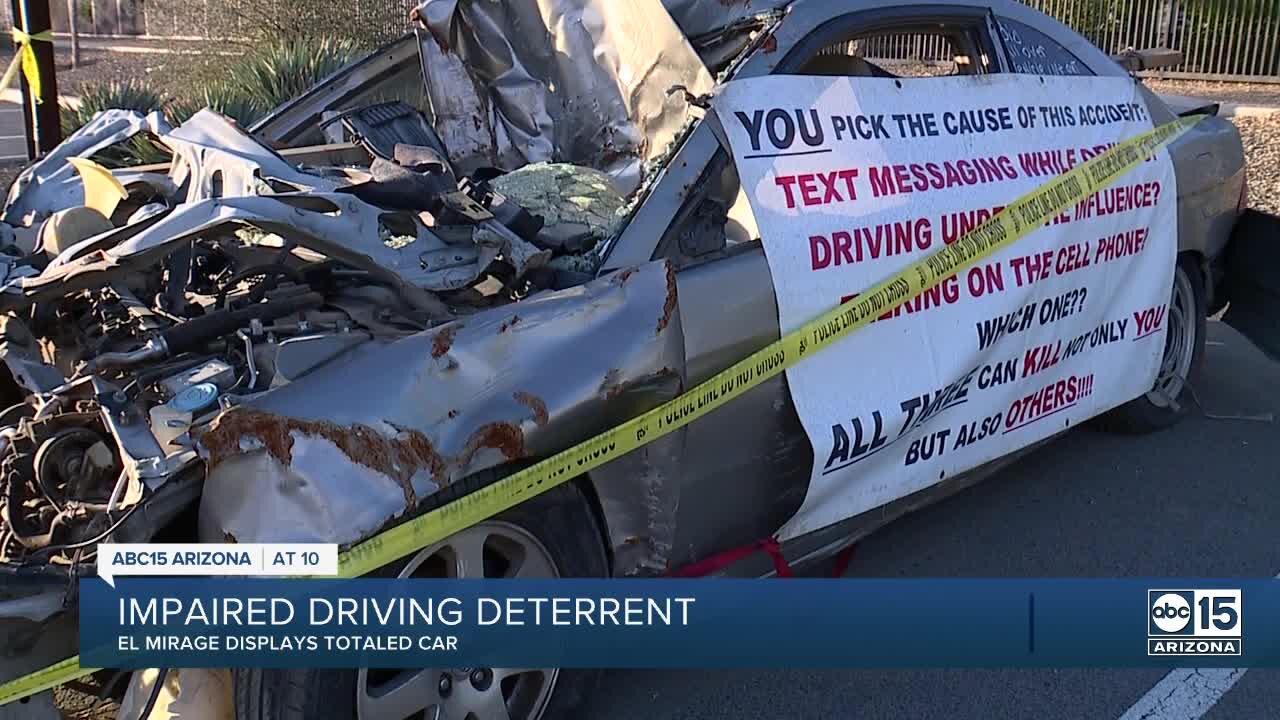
1209	164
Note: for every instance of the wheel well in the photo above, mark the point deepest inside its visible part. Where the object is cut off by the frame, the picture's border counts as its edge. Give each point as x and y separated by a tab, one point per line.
583	484
1206	276
1197	257
588	490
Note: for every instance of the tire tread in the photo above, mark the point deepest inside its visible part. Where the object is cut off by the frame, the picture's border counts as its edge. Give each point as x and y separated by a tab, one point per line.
1140	416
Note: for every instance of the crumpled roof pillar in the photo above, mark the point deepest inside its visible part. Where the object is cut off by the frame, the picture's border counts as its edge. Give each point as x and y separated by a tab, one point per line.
582	81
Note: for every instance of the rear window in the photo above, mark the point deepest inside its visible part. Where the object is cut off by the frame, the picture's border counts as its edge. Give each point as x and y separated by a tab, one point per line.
1034	53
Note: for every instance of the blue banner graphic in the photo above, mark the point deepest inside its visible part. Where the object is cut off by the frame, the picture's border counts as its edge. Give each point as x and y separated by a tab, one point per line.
258	622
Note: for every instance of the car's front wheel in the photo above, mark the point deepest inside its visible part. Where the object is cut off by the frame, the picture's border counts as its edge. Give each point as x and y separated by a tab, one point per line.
549	536
1172	396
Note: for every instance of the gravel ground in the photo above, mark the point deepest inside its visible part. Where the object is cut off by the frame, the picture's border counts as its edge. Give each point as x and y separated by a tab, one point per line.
100	66
1242	93
1261	137
79	701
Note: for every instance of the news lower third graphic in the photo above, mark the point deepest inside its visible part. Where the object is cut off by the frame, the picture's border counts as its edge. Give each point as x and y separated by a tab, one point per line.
1194	622
281	621
225	559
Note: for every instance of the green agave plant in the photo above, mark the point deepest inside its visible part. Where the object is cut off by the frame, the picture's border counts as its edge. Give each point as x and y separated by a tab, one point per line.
250	86
281	70
228	98
131	94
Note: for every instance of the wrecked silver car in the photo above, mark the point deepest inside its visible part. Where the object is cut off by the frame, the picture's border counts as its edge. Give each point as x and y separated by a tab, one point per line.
361	308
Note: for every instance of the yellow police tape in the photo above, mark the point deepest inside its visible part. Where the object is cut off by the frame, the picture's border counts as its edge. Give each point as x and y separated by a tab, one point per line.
1017	220
26	59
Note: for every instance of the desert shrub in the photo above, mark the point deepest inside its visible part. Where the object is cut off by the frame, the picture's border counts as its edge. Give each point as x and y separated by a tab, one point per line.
129	94
247	87
281	70
228	98
123	94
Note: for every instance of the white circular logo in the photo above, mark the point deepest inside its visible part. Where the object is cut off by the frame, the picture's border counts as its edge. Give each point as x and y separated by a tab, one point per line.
1171	612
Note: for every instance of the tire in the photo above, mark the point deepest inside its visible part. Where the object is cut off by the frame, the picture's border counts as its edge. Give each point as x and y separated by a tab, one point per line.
1181	364
561	523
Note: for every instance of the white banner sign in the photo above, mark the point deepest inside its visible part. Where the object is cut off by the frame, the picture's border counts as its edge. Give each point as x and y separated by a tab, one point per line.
852	179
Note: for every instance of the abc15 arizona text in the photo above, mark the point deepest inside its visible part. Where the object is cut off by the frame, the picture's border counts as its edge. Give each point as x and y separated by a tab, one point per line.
1194	622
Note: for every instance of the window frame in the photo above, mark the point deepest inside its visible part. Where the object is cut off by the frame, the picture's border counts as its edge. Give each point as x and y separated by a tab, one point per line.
976	23
861	22
959	38
659	201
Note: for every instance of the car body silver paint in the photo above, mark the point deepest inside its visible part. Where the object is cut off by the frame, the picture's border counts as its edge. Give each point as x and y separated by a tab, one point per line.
214	157
582	81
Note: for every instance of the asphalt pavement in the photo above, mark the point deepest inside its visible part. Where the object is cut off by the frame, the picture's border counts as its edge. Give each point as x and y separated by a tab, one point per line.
1200	499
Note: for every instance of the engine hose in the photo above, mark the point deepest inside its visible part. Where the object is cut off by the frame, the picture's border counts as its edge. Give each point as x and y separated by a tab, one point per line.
194	333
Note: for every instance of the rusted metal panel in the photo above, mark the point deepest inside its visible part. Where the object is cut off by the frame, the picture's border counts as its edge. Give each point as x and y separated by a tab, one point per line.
521	381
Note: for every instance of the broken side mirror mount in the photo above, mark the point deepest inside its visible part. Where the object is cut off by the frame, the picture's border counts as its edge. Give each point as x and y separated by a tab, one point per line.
1148	59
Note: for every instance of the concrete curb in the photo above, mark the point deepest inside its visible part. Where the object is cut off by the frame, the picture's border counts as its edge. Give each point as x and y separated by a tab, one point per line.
148	45
1235	110
1225	109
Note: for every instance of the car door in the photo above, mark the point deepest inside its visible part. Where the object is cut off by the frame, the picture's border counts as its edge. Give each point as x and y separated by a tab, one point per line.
747	466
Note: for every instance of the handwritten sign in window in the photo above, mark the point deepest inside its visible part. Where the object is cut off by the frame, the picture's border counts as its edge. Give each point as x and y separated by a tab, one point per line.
1034	53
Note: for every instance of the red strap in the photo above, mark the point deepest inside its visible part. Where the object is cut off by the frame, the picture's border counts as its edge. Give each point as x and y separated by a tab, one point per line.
780	564
719	561
843	558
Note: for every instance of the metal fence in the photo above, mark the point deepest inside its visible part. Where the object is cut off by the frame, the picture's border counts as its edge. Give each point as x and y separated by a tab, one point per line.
369	20
372	21
1219	39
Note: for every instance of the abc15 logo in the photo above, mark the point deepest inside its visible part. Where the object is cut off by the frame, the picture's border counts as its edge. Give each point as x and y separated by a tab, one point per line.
1194	613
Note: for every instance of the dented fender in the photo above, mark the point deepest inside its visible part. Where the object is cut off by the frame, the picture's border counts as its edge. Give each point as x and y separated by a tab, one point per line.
351	448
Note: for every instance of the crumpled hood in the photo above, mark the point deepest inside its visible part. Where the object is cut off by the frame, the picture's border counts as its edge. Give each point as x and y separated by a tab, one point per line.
51	183
431	408
221	179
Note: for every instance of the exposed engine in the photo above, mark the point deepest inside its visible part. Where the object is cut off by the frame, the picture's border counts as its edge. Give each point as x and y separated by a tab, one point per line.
167	349
125	332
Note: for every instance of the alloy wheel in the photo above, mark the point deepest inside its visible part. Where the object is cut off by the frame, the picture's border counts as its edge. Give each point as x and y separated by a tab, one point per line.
1180	344
492	549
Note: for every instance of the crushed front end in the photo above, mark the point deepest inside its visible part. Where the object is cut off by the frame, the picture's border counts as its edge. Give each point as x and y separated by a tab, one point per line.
232	275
